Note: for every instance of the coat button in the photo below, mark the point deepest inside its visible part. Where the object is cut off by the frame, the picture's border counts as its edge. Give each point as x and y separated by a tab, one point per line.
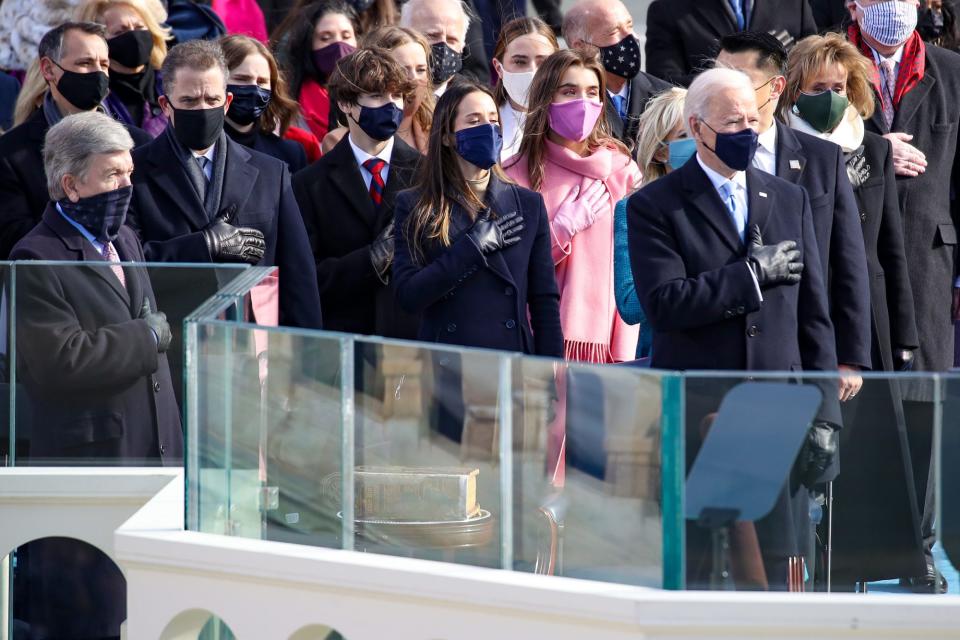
728	314
753	331
863	216
156	387
163	449
451	328
741	310
510	324
508	291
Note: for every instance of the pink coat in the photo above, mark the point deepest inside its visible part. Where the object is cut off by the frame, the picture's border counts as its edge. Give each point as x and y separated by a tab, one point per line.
593	330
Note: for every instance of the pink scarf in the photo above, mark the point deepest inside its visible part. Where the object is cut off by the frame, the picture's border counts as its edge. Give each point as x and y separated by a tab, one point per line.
593	330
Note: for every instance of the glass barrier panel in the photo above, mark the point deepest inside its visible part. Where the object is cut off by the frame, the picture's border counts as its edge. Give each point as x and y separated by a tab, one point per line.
769	507
946	553
93	383
264	433
14	425
587	471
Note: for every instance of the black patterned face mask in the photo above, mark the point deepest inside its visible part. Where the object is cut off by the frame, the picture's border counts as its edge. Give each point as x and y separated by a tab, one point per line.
622	59
444	63
102	215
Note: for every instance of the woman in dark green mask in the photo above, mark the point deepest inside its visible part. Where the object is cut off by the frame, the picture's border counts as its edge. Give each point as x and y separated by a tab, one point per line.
829	93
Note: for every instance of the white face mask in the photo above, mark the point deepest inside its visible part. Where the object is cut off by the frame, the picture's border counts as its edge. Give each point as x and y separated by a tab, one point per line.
889	23
518	86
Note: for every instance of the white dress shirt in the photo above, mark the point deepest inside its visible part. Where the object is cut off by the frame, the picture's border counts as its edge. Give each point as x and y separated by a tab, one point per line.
362	156
766	157
739	184
896	57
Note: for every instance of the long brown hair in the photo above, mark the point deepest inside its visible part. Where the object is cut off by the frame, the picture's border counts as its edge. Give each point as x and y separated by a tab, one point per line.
94	10
282	110
514	29
391	38
812	54
441	182
545	84
381	14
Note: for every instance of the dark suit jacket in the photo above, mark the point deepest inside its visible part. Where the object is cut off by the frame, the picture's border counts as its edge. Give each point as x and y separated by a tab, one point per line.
474	300
642	88
819	167
694	284
23	181
830	15
97	384
342	222
9	89
169	218
930	112
891	297
682	35
287	150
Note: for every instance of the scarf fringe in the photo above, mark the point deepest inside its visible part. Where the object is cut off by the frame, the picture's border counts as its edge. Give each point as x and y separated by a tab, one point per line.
578	351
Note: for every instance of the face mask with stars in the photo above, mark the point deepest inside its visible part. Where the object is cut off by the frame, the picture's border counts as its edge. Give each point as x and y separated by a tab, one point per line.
622	59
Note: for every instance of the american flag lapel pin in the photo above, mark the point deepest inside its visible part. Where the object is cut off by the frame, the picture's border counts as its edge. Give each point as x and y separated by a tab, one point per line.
795	165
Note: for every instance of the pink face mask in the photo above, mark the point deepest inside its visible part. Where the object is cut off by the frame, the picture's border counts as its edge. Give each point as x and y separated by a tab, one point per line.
576	119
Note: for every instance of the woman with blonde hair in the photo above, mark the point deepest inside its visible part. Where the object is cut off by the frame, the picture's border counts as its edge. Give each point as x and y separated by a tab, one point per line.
663	145
138	44
829	93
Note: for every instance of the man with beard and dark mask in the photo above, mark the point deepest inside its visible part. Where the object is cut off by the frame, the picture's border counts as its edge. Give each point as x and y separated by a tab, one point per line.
456	48
198	196
74	61
92	356
608	26
682	35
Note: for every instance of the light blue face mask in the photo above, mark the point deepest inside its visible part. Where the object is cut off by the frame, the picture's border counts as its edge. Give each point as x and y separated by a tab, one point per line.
680	151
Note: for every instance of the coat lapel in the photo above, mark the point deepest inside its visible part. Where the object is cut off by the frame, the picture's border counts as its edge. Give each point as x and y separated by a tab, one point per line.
911	101
501	200
135	276
791	161
171	178
705	199
760	200
348	179
239	178
403	165
719	18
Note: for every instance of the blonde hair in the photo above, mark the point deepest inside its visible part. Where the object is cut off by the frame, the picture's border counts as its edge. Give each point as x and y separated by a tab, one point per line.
815	53
664	112
31	93
150	11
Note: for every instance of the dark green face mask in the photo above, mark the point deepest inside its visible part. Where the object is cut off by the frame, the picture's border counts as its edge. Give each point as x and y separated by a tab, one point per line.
823	111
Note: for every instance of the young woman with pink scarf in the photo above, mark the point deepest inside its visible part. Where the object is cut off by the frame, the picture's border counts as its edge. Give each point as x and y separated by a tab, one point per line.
569	156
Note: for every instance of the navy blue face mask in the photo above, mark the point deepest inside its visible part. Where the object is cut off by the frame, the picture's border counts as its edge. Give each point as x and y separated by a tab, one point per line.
380	123
249	103
736	150
102	215
480	145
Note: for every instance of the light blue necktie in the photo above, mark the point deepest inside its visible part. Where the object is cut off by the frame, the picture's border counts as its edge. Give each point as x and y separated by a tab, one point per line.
738	14
620	102
737	213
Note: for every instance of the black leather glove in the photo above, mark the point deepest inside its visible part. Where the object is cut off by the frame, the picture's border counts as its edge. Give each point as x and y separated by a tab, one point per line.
381	253
903	359
858	169
228	243
157	320
774	264
496	234
818	453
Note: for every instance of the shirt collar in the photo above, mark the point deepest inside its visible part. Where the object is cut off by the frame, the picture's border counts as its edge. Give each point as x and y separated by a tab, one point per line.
209	155
362	156
768	139
624	91
739	178
896	57
82	229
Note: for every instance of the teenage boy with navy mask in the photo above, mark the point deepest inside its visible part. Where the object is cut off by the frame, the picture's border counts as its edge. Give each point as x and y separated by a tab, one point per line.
347	198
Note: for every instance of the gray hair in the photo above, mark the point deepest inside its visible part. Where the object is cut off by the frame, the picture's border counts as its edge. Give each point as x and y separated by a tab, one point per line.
407	10
70	144
705	87
199	55
576	21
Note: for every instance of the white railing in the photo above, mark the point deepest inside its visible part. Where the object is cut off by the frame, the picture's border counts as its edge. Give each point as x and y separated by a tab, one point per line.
264	590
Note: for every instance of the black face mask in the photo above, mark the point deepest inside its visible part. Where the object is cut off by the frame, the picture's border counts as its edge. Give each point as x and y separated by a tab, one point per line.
131	49
380	123
444	63
249	103
198	129
622	59
102	215
930	24
83	90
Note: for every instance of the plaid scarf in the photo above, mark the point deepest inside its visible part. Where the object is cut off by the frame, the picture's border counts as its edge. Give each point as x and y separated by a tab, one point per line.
912	64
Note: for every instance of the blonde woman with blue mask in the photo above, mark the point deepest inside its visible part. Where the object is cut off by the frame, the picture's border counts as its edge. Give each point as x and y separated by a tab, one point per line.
663	145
